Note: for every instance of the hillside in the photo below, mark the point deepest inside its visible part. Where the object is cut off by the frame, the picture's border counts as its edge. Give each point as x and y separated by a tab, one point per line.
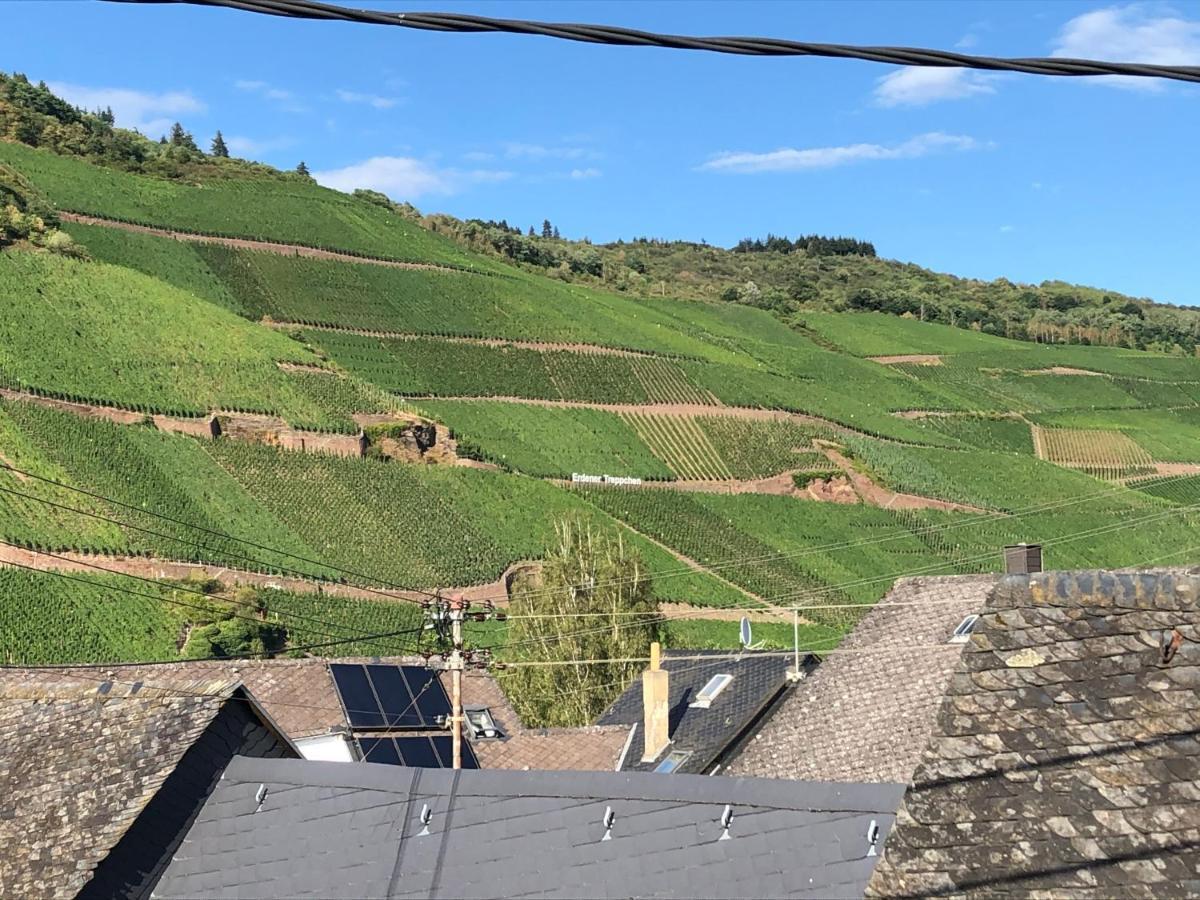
812	273
799	457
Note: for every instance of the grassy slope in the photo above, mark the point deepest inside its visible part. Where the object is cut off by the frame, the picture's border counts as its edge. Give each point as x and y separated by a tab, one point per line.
175	335
268	210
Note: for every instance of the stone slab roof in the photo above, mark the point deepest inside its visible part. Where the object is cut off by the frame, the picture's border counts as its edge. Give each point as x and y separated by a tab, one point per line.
704	733
299	695
332	830
1066	758
79	761
865	714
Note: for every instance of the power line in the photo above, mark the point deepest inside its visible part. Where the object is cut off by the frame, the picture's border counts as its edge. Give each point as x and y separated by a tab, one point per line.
966	522
210	531
929	569
742	46
369	638
267	568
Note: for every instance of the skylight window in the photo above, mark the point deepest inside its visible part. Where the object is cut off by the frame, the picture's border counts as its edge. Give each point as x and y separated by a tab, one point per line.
710	691
674	760
964	629
482	725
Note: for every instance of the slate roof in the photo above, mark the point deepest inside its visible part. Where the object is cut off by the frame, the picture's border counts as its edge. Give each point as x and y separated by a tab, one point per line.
330	830
705	733
1066	758
300	697
866	714
79	761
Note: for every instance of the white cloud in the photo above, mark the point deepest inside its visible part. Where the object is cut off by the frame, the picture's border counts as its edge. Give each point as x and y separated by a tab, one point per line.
1133	33
793	160
373	100
149	113
1005	229
581	174
250	148
515	150
405	178
919	85
272	93
478	156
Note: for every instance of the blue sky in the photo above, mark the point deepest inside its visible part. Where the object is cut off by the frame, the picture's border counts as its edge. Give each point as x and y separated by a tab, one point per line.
977	174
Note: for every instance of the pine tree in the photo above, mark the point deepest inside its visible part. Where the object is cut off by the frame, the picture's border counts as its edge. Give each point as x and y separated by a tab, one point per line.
302	169
556	232
547	231
181	138
532	233
218	146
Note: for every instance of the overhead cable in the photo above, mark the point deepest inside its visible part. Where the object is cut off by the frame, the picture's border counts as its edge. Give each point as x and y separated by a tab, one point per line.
741	46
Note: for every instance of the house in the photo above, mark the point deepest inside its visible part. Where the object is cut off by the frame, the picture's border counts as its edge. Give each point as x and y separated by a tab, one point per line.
1065	761
866	713
712	702
308	699
287	828
101	779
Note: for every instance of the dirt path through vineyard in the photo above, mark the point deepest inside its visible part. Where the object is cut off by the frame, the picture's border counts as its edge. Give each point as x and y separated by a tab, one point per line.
539	346
76	563
275	247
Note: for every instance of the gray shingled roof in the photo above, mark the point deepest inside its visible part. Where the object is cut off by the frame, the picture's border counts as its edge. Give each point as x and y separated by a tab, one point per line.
867	711
330	830
79	761
299	695
1066	759
705	733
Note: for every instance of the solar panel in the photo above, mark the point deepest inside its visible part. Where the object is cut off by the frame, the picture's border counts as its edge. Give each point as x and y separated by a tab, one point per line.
379	750
431	699
354	688
435	752
399	711
418	752
404	697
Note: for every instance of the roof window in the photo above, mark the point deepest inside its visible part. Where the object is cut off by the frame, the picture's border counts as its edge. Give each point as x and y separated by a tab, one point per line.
482	725
710	691
674	760
964	629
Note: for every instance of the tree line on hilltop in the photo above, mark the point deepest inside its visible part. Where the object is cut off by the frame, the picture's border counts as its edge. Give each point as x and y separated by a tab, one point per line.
32	114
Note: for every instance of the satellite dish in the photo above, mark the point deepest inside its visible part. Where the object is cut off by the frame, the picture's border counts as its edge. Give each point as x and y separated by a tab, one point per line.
747	635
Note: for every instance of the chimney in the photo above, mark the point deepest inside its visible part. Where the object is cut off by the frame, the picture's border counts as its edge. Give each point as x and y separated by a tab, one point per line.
655	706
1023	559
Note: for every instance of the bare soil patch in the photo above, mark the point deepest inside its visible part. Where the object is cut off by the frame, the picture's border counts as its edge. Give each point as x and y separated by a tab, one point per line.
539	346
831	490
1063	370
913	359
1176	468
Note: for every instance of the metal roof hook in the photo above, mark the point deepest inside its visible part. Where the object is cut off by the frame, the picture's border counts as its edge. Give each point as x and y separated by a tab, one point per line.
609	818
426	818
726	821
872	838
259	796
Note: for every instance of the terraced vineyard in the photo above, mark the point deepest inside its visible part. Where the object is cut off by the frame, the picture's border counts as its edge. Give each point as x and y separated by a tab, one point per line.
426	367
1110	455
293	210
540	379
681	444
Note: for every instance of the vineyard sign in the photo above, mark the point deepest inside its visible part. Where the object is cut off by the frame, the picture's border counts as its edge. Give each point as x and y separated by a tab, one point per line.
603	479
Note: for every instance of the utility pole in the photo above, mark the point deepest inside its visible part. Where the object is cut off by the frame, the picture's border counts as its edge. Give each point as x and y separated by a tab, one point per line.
447	621
454	662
